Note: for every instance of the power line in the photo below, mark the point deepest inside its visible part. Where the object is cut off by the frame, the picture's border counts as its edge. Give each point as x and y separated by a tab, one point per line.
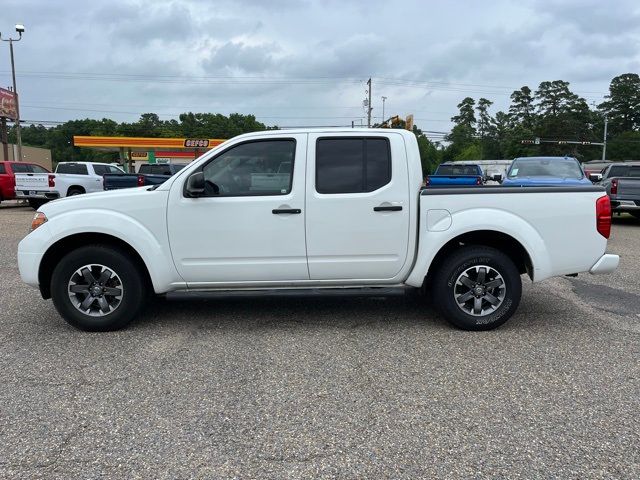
487	89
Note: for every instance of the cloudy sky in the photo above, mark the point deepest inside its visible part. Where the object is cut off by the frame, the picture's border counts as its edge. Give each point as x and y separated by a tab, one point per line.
305	62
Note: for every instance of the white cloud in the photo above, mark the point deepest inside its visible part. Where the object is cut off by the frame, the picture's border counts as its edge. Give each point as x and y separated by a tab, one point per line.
162	55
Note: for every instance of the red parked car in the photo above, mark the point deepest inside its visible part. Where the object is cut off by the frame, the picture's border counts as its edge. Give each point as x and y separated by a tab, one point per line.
8	179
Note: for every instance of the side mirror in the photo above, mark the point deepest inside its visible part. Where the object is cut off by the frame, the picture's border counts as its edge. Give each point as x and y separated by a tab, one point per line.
195	185
595	177
497	178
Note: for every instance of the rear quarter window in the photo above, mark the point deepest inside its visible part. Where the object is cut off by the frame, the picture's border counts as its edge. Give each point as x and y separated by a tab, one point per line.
72	168
2	169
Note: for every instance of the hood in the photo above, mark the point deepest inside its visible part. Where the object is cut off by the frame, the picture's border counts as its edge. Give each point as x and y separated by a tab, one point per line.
544	181
112	200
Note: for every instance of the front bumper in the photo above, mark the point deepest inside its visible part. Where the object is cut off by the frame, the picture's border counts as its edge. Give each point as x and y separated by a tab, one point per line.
30	252
36	194
606	264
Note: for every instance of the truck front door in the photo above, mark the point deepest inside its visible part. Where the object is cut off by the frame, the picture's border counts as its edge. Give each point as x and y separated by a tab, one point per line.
248	227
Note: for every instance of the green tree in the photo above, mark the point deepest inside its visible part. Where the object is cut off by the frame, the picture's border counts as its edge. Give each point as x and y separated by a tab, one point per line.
430	156
521	110
625	146
622	104
470	152
555	98
466	115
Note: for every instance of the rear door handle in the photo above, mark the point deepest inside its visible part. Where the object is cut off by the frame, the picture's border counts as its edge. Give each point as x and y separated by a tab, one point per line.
390	208
279	211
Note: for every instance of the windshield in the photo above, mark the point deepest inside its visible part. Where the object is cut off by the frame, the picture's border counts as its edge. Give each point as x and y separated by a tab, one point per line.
457	170
545	167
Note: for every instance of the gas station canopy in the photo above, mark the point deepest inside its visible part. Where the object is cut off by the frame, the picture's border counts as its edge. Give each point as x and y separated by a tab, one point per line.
145	143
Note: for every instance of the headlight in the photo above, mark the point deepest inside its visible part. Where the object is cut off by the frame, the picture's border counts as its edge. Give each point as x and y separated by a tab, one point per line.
38	219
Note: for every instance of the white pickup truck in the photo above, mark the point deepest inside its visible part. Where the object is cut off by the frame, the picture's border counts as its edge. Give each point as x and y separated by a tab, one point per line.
70	178
312	209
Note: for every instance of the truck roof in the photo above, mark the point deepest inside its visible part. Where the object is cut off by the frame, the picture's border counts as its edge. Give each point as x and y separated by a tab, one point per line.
363	131
84	163
547	158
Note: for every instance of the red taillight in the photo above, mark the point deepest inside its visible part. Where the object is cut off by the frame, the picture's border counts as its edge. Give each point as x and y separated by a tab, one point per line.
52	181
603	216
614	186
478	181
427	182
140	181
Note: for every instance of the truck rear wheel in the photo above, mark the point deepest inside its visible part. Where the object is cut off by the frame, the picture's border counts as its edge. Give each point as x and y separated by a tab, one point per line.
477	288
97	288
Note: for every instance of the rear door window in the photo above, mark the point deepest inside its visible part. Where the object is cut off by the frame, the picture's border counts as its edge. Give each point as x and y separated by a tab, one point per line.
100	169
38	169
22	168
2	169
352	165
72	168
618	171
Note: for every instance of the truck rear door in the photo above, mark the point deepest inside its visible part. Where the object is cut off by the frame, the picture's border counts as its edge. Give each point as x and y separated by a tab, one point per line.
357	200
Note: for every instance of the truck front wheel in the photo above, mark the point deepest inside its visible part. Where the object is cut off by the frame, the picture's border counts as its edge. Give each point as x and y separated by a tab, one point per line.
477	288
97	288
36	203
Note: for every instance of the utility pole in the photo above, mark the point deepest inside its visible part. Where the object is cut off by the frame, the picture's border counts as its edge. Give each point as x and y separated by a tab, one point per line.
20	30
369	105
604	140
384	99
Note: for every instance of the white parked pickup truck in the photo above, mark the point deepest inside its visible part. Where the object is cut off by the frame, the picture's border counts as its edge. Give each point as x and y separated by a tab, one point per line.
70	178
312	209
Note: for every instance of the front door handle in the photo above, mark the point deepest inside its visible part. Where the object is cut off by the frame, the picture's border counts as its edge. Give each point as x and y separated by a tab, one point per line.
279	211
390	208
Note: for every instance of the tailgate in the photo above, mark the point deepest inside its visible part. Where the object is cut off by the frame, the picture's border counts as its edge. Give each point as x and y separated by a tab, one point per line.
32	181
453	179
629	188
113	181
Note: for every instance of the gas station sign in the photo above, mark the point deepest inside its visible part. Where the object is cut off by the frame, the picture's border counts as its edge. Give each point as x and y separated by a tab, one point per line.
196	142
8	104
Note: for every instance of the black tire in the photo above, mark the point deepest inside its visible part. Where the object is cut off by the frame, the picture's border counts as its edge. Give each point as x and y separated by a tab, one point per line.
75	191
36	203
472	260
128	278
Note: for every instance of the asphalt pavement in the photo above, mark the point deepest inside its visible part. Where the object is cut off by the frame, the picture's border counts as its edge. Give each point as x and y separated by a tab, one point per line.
325	387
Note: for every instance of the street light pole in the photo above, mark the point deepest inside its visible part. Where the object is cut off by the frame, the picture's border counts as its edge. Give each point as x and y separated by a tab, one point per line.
384	99
369	108
20	30
604	140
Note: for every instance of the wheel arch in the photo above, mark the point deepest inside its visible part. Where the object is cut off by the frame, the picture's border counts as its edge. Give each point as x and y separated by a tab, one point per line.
58	249
501	241
76	187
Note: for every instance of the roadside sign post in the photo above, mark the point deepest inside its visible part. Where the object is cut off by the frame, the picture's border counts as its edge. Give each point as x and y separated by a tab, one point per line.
8	110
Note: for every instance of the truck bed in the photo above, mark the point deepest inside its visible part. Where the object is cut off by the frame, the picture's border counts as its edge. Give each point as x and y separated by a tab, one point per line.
524	213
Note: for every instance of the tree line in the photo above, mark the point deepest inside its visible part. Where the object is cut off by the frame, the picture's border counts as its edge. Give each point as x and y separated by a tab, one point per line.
552	112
